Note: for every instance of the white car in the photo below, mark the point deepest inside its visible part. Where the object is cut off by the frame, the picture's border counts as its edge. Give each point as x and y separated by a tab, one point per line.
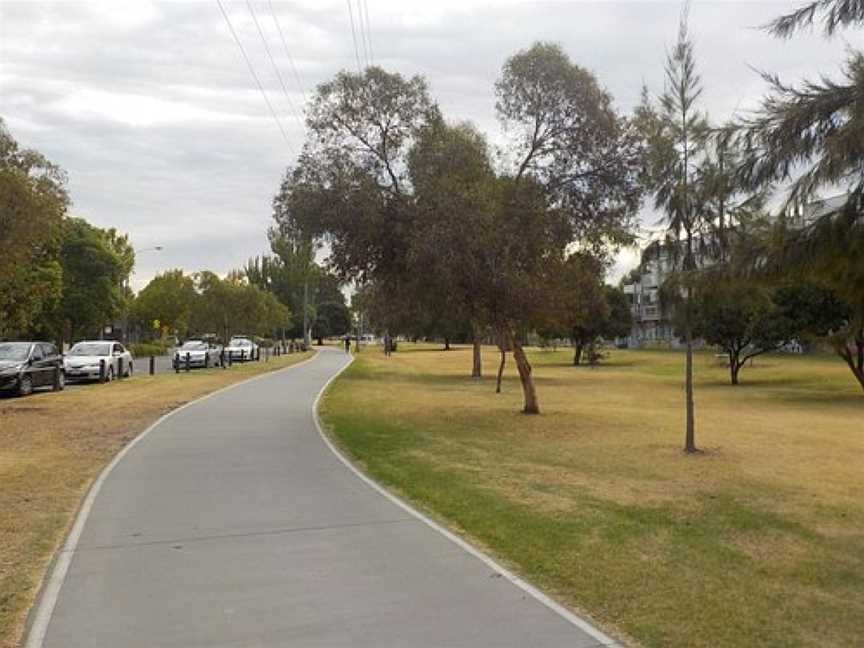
241	348
200	353
83	361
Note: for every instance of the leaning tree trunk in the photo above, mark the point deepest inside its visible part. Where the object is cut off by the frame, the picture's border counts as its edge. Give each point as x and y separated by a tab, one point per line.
477	368
500	370
532	406
854	358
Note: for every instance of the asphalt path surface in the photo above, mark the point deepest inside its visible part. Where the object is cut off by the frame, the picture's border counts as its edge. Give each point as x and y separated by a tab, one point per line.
233	524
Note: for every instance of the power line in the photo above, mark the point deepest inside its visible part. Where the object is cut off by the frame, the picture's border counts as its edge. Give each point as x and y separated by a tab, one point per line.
287	53
368	31
354	37
254	75
273	63
361	29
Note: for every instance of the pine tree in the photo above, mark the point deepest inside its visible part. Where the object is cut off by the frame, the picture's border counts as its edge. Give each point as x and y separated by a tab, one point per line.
809	138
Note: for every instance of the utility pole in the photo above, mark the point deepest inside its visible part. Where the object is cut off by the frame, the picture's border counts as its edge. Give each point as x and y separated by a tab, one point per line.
307	342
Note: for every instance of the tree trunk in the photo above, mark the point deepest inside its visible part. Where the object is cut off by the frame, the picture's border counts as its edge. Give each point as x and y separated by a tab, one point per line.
500	370
854	358
477	368
690	436
532	406
734	365
320	341
577	353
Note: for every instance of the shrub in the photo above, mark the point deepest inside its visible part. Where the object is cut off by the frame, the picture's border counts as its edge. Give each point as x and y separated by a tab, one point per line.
144	349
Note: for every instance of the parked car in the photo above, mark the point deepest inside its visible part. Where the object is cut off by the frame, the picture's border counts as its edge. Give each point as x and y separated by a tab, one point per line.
201	354
241	348
83	361
25	366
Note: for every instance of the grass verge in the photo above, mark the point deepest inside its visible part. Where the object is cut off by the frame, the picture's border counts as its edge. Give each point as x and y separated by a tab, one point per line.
53	445
757	541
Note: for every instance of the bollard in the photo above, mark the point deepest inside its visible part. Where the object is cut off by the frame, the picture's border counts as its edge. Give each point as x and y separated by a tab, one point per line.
258	355
267	355
177	362
152	365
222	358
242	355
230	358
56	378
103	374
188	361
119	368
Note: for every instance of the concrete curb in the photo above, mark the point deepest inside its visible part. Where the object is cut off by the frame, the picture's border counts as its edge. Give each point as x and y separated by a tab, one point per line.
40	614
602	638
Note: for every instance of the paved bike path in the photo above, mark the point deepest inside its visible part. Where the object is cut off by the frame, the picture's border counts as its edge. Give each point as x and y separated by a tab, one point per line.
232	524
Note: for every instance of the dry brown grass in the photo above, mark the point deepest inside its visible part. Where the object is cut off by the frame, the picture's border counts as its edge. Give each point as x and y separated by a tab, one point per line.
757	541
52	446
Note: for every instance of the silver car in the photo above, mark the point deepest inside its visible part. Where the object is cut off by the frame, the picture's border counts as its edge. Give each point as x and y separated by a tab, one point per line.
241	348
200	353
84	361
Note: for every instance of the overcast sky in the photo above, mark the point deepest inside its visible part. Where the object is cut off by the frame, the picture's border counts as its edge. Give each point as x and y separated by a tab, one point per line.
153	113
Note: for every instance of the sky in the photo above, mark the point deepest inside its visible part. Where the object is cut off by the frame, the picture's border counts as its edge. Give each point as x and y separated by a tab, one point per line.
152	110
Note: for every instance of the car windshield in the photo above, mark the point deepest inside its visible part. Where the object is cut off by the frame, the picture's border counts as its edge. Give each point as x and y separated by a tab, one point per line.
241	342
194	346
14	350
90	349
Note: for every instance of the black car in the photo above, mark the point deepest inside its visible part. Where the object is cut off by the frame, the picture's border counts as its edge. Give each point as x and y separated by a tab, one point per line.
25	366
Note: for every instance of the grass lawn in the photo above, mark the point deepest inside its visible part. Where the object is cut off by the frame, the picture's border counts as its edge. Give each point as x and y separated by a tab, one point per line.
53	445
757	541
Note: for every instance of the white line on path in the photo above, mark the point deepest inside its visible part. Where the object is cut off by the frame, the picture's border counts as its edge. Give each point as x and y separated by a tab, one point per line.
582	624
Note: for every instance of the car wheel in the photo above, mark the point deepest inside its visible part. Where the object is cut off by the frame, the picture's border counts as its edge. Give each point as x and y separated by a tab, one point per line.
25	385
60	385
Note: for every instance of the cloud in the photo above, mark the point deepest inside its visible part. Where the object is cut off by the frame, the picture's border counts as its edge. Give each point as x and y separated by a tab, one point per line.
151	110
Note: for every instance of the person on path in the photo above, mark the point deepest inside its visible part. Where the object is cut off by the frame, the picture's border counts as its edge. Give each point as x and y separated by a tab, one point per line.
347	344
388	345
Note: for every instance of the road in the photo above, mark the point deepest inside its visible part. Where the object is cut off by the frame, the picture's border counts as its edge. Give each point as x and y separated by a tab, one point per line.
232	524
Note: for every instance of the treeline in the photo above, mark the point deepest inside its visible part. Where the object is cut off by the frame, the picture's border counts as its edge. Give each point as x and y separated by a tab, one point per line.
61	278
266	299
176	303
443	233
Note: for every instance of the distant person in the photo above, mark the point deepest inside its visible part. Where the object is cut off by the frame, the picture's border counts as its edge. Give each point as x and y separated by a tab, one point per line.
347	344
388	345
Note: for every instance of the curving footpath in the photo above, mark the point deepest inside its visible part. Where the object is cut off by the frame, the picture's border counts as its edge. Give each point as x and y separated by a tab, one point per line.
232	523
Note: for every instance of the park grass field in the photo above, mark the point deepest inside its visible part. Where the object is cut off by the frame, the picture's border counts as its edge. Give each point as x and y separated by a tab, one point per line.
52	447
756	541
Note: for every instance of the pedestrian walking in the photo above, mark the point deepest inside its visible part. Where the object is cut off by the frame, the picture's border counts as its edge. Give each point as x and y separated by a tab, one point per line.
347	344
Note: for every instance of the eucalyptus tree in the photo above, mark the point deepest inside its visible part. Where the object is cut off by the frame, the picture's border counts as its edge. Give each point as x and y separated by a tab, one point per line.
810	138
570	156
350	186
453	179
677	133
